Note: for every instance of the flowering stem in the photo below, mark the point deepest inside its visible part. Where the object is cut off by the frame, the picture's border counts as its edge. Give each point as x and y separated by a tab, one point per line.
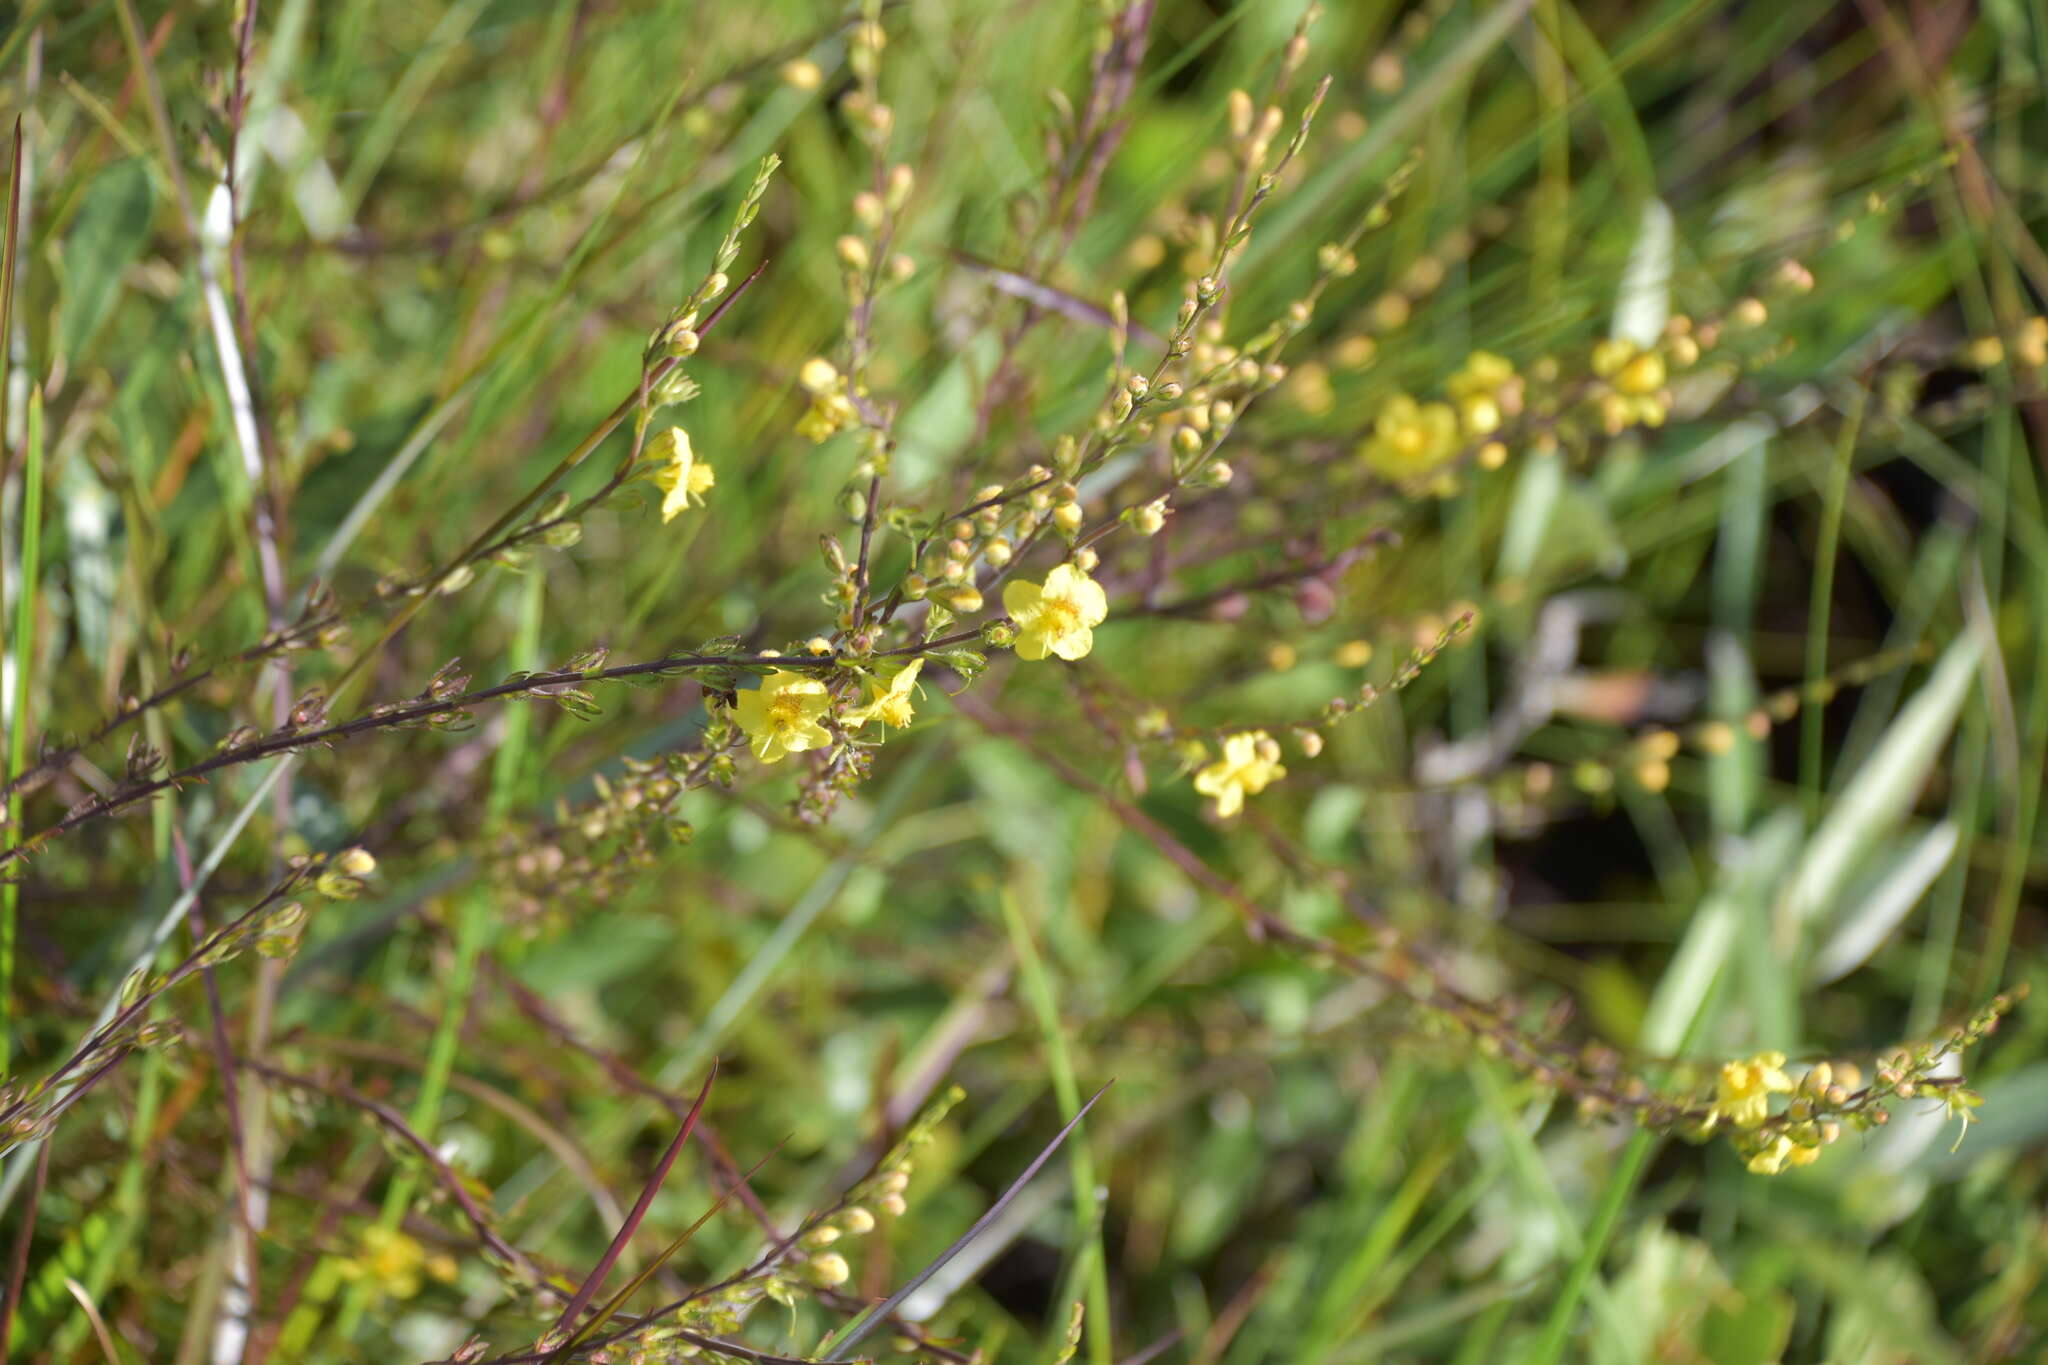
583	450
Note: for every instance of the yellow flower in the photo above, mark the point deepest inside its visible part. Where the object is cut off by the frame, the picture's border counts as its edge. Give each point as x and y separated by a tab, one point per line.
891	701
1410	438
831	411
390	1260
781	715
1642	375
1251	760
1782	1152
1743	1095
1057	616
684	476
1611	354
1481	376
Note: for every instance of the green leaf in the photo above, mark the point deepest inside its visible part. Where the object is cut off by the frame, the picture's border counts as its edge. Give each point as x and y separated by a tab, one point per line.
1879	903
1752	1330
1645	298
1877	798
112	225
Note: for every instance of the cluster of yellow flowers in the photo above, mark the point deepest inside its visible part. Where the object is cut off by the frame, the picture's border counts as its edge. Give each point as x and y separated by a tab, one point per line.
1635	382
786	713
1411	440
831	410
395	1263
1742	1098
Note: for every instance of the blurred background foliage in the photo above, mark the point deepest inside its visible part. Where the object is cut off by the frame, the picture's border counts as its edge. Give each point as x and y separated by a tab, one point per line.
457	225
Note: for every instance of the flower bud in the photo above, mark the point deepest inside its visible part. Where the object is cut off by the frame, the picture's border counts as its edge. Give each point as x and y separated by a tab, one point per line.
817	375
1240	105
1066	456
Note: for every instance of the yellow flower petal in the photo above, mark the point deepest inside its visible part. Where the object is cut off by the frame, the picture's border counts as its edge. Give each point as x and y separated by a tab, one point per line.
780	717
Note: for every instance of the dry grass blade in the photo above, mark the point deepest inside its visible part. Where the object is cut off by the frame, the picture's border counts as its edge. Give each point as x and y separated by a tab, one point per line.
610	1307
595	1279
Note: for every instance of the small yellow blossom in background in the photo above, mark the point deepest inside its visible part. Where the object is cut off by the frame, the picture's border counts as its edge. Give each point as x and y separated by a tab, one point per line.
395	1263
891	702
1611	354
1743	1094
1409	438
1250	763
1782	1152
683	476
1636	376
1145	252
781	715
1486	391
2032	344
1354	654
1310	389
831	411
1355	352
1057	616
1483	375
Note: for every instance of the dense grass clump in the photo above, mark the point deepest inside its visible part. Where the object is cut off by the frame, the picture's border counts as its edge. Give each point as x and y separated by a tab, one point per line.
1139	680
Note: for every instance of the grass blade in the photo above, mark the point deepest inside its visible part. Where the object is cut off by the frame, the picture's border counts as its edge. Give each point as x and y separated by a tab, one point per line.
595	1279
